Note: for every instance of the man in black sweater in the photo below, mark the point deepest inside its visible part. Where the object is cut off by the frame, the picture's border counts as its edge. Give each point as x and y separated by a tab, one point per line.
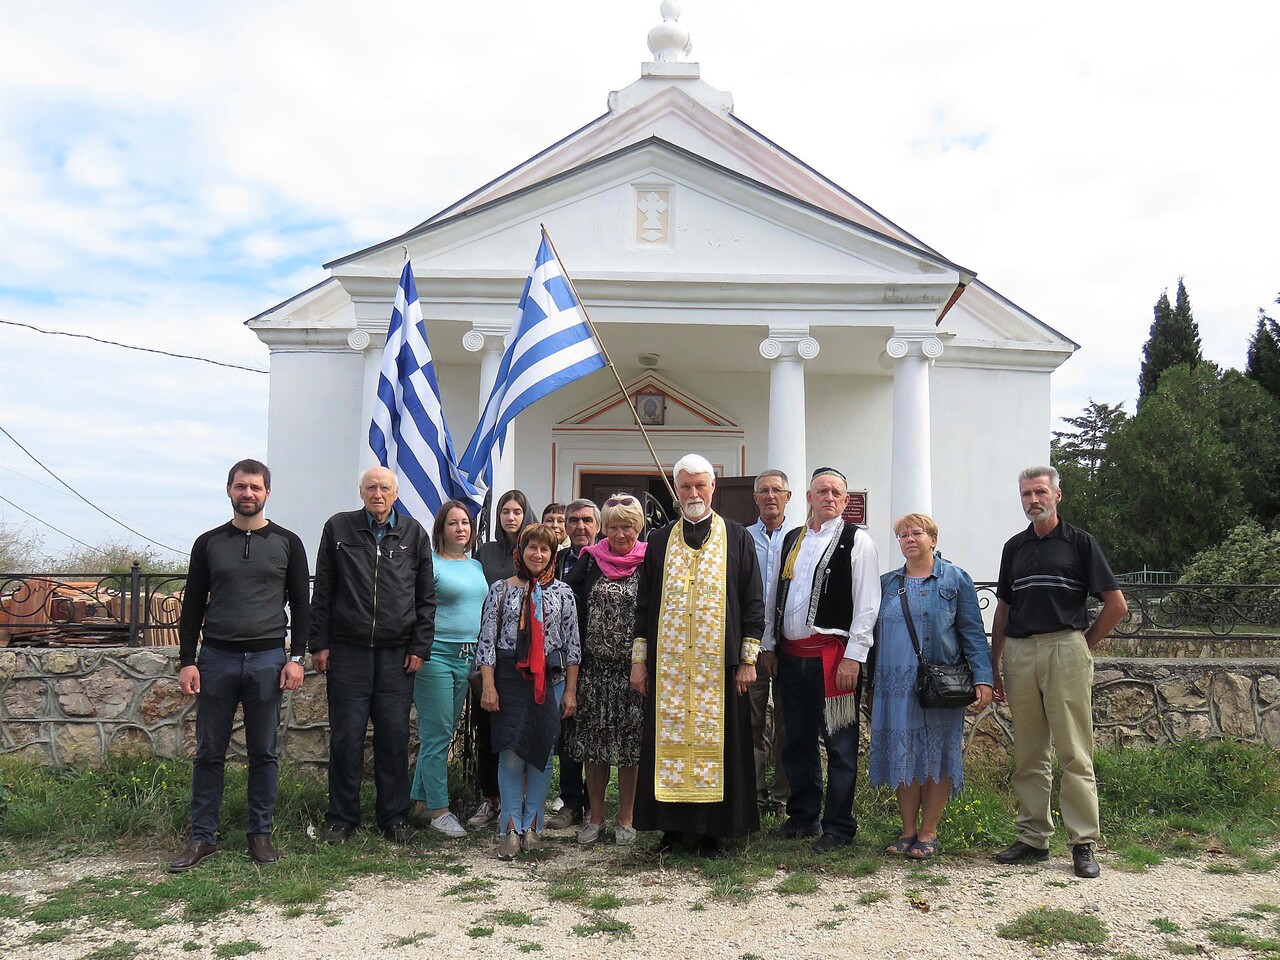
240	577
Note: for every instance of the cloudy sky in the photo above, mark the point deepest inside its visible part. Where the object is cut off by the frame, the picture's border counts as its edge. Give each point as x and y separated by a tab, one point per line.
170	169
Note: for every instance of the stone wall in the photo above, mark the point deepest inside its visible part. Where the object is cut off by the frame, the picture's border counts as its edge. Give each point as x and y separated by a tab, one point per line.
73	706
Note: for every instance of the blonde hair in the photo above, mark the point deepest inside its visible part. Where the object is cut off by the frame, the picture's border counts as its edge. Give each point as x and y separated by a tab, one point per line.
623	513
921	520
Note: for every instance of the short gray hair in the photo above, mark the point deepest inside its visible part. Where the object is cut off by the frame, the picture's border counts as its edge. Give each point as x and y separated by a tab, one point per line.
692	463
1032	473
582	504
770	473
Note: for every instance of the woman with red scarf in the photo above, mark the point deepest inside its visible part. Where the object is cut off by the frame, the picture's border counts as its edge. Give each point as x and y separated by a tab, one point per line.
607	728
528	655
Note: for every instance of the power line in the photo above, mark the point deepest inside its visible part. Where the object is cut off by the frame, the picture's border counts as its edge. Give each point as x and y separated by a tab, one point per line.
136	533
129	346
63	493
46	523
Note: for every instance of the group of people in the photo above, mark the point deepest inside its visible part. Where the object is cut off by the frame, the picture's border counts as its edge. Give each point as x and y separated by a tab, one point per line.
587	638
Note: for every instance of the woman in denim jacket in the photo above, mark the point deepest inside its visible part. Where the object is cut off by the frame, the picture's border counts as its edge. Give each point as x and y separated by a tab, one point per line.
914	750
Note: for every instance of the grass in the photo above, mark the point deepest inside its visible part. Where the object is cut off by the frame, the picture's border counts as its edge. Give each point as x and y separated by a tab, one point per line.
1165	925
477	932
238	948
1159	802
529	947
798	883
1227	934
511	918
1180	948
1045	926
411	940
868	897
602	924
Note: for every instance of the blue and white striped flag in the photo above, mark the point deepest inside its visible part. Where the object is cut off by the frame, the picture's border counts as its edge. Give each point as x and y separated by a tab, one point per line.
408	433
550	345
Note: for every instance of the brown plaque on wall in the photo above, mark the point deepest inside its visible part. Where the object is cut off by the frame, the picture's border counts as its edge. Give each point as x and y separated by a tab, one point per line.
855	509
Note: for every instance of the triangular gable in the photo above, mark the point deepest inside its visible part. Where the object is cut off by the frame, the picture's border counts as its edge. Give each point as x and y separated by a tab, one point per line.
837	243
682	409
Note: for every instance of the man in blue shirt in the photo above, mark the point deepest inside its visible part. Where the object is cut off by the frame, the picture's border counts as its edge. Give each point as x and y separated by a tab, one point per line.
772	494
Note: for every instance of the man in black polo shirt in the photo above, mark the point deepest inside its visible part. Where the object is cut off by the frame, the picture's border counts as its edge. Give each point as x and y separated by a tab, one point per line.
240	577
1045	668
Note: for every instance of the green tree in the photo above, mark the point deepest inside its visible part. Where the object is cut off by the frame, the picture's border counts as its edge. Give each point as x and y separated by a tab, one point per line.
1173	484
1080	455
1263	360
1248	554
1174	339
1085	444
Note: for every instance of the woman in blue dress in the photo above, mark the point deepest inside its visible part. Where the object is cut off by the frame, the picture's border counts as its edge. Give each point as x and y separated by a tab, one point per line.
914	750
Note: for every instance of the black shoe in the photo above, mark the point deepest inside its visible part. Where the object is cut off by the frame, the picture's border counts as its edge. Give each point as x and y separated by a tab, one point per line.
791	830
1083	862
197	852
828	842
668	842
336	833
708	847
398	832
262	849
1021	853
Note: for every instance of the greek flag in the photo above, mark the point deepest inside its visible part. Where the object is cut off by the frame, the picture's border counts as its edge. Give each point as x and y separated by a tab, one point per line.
550	345
408	433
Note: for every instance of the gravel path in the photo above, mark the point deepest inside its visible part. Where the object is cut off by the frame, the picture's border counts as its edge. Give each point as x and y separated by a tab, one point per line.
950	910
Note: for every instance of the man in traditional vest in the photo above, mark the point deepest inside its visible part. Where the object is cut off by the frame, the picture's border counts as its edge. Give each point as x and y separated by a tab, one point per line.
821	608
699	617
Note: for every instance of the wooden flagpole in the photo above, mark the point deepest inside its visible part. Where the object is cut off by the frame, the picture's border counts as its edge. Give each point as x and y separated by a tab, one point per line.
609	363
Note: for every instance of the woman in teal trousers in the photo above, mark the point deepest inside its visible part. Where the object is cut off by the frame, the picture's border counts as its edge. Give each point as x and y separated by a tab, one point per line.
440	689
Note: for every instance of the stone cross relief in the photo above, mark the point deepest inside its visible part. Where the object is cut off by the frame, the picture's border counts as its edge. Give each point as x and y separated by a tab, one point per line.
652	222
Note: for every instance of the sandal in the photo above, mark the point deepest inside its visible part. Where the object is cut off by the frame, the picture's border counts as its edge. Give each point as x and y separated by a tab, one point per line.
900	846
923	849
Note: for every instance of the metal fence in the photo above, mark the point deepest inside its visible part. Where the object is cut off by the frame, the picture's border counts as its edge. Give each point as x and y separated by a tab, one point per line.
142	609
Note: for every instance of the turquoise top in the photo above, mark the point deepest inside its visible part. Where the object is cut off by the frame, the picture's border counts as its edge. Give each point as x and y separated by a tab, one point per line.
460	592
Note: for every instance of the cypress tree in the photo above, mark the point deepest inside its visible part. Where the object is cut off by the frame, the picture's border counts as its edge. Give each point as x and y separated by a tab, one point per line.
1174	339
1263	361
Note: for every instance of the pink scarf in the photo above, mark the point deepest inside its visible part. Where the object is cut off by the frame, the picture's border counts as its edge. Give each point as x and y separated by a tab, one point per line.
612	565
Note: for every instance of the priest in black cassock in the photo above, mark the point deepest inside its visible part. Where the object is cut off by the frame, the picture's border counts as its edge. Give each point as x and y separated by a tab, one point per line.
699	619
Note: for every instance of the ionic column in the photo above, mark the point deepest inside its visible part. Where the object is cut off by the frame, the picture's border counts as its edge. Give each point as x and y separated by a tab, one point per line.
362	342
786	351
486	338
911	466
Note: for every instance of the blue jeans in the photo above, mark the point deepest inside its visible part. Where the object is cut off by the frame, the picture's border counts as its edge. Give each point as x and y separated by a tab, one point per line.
368	683
228	680
803	703
439	691
524	788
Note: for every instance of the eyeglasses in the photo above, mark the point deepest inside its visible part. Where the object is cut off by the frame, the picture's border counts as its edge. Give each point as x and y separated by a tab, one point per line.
771	492
911	535
619	501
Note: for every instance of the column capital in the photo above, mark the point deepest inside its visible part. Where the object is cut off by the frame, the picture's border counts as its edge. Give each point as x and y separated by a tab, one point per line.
789	344
911	344
492	331
358	340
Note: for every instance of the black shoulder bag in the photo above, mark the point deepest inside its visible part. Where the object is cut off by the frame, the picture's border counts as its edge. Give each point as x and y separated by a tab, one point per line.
942	685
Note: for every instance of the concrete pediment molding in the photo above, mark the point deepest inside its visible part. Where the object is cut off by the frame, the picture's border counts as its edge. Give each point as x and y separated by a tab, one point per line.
684	411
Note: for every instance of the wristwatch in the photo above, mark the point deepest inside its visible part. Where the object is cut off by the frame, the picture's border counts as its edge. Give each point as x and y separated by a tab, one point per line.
297	660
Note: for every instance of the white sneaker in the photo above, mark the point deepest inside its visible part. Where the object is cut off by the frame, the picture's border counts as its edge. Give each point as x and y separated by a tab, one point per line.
623	835
589	834
448	824
485	814
557	804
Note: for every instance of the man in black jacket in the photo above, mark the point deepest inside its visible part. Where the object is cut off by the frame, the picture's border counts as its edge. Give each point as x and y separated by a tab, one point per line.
240	577
372	625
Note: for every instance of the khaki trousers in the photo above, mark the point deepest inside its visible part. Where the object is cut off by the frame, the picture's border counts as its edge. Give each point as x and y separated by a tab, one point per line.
1048	680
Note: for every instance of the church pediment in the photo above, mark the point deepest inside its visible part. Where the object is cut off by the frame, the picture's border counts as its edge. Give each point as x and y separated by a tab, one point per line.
662	405
656	210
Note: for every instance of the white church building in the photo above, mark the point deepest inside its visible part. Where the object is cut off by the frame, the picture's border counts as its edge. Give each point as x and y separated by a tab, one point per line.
758	313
